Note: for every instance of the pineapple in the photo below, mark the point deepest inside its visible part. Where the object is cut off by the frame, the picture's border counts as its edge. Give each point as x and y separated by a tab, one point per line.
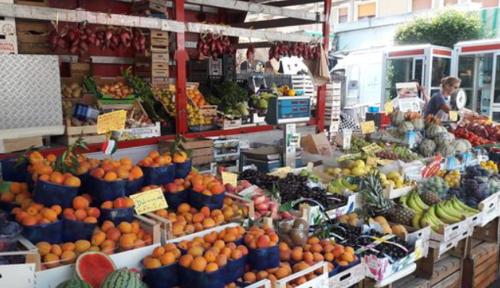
400	214
429	197
373	196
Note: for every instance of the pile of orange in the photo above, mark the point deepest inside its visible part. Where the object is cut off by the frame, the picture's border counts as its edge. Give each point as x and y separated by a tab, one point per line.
206	184
41	169
54	255
180	157
86	164
284	270
162	256
17	193
317	250
120	202
257	237
155	159
35	214
188	219
178	185
114	170
195	95
125	236
82	211
210	253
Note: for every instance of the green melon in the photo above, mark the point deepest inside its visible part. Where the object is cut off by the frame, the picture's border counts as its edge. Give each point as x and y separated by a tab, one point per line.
461	145
434	130
94	267
444	138
427	147
74	283
123	279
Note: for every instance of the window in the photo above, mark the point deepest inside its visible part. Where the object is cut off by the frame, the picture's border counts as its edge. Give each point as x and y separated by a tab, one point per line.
343	14
487	3
421	5
450	2
367	10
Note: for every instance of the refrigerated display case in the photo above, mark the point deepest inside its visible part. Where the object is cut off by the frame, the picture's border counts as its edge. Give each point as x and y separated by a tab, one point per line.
477	63
427	63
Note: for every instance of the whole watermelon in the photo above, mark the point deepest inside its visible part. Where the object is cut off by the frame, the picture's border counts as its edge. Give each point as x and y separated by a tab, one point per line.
123	279
74	283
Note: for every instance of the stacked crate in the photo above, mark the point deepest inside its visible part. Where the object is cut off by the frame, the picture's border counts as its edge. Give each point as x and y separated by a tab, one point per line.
481	267
333	107
202	151
150	7
154	65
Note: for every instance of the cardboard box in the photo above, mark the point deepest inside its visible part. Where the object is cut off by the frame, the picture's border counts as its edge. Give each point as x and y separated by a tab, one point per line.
317	144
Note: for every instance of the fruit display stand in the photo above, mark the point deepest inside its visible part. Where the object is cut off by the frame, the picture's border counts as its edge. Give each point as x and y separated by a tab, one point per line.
349	277
317	282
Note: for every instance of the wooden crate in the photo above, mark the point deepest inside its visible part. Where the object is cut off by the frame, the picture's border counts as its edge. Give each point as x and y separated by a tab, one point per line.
489	232
152	5
439	270
166	225
411	281
451	281
159	41
159	70
18	144
87	132
481	268
33	36
80	69
159	58
41	3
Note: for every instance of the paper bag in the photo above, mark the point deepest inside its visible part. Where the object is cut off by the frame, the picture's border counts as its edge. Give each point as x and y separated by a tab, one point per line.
317	144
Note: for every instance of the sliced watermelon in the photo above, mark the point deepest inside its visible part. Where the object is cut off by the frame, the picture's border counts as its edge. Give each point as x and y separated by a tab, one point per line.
94	267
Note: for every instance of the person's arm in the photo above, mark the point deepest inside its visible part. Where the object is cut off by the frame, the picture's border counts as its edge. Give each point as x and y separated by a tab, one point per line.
443	106
425	97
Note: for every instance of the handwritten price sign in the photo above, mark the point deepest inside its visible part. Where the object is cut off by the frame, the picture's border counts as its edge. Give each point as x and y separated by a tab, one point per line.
149	201
231	178
112	121
367	127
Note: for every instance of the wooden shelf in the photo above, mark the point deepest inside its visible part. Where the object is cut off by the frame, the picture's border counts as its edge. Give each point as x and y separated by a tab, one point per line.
66	15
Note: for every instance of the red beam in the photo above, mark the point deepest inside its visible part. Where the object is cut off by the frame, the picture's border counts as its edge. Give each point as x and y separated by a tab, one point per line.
441	52
478	48
414	52
217	133
321	101
180	58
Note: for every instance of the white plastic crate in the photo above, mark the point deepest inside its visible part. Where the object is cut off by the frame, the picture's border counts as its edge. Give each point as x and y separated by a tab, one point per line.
489	208
304	82
317	282
349	277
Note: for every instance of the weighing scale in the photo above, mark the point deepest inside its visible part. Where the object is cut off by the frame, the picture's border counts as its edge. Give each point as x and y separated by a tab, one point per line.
288	111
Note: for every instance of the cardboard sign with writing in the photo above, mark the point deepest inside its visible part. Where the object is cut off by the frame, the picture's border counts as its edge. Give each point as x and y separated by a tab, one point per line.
348	157
453	116
231	178
433	168
112	121
368	127
149	201
372	148
389	107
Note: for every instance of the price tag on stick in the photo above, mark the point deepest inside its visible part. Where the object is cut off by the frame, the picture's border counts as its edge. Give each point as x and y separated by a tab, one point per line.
368	127
112	121
453	116
149	201
231	178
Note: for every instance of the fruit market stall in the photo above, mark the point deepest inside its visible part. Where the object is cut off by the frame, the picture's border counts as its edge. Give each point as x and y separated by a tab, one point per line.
170	200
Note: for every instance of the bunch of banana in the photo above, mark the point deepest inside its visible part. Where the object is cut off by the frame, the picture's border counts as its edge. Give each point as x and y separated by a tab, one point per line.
340	185
413	201
438	215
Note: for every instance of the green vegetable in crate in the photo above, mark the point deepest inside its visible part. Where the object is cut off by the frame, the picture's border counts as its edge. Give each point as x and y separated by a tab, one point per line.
230	94
74	283
123	279
434	130
243	109
418	123
446	150
397	117
405	127
427	147
461	145
444	138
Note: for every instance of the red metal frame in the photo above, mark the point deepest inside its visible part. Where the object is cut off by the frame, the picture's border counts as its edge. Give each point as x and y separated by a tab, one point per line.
479	48
415	52
441	52
181	56
321	101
